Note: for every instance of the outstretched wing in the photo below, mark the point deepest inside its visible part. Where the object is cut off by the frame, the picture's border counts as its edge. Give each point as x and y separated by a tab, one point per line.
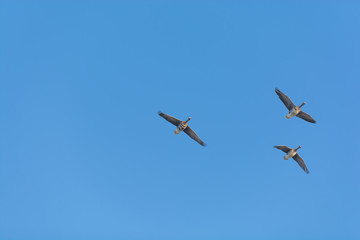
171	119
193	135
285	99
283	148
301	162
305	116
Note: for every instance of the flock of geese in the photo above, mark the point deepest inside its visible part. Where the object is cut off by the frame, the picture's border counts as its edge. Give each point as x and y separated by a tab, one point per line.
293	111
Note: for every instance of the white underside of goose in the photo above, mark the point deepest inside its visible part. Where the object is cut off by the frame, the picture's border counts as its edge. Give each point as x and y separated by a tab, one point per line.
180	128
290	154
293	112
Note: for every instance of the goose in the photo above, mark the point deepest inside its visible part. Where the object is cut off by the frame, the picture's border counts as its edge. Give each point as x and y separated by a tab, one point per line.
293	110
291	152
182	126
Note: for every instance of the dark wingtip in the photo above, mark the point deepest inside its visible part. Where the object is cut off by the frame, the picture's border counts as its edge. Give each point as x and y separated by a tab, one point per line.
159	112
277	91
312	121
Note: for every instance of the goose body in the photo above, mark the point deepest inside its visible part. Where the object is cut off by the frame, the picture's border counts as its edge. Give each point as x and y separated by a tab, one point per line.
292	153
182	126
293	112
293	109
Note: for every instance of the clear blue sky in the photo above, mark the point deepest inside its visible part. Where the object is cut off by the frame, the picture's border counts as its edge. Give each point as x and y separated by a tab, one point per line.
84	155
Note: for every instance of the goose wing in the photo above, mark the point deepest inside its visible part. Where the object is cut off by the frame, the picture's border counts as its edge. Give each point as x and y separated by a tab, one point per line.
283	148
305	116
193	135
171	119
301	162
285	99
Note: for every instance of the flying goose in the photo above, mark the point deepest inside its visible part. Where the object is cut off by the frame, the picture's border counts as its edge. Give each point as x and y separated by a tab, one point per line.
291	152
182	126
293	110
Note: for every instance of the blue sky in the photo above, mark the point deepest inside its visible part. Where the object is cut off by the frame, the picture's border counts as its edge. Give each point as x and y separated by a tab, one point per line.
84	155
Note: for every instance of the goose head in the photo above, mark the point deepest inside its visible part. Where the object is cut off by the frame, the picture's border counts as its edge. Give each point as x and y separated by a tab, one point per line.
302	104
188	119
297	148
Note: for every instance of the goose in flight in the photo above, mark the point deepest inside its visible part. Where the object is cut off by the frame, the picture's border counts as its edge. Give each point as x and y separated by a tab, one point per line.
182	126
293	110
291	152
